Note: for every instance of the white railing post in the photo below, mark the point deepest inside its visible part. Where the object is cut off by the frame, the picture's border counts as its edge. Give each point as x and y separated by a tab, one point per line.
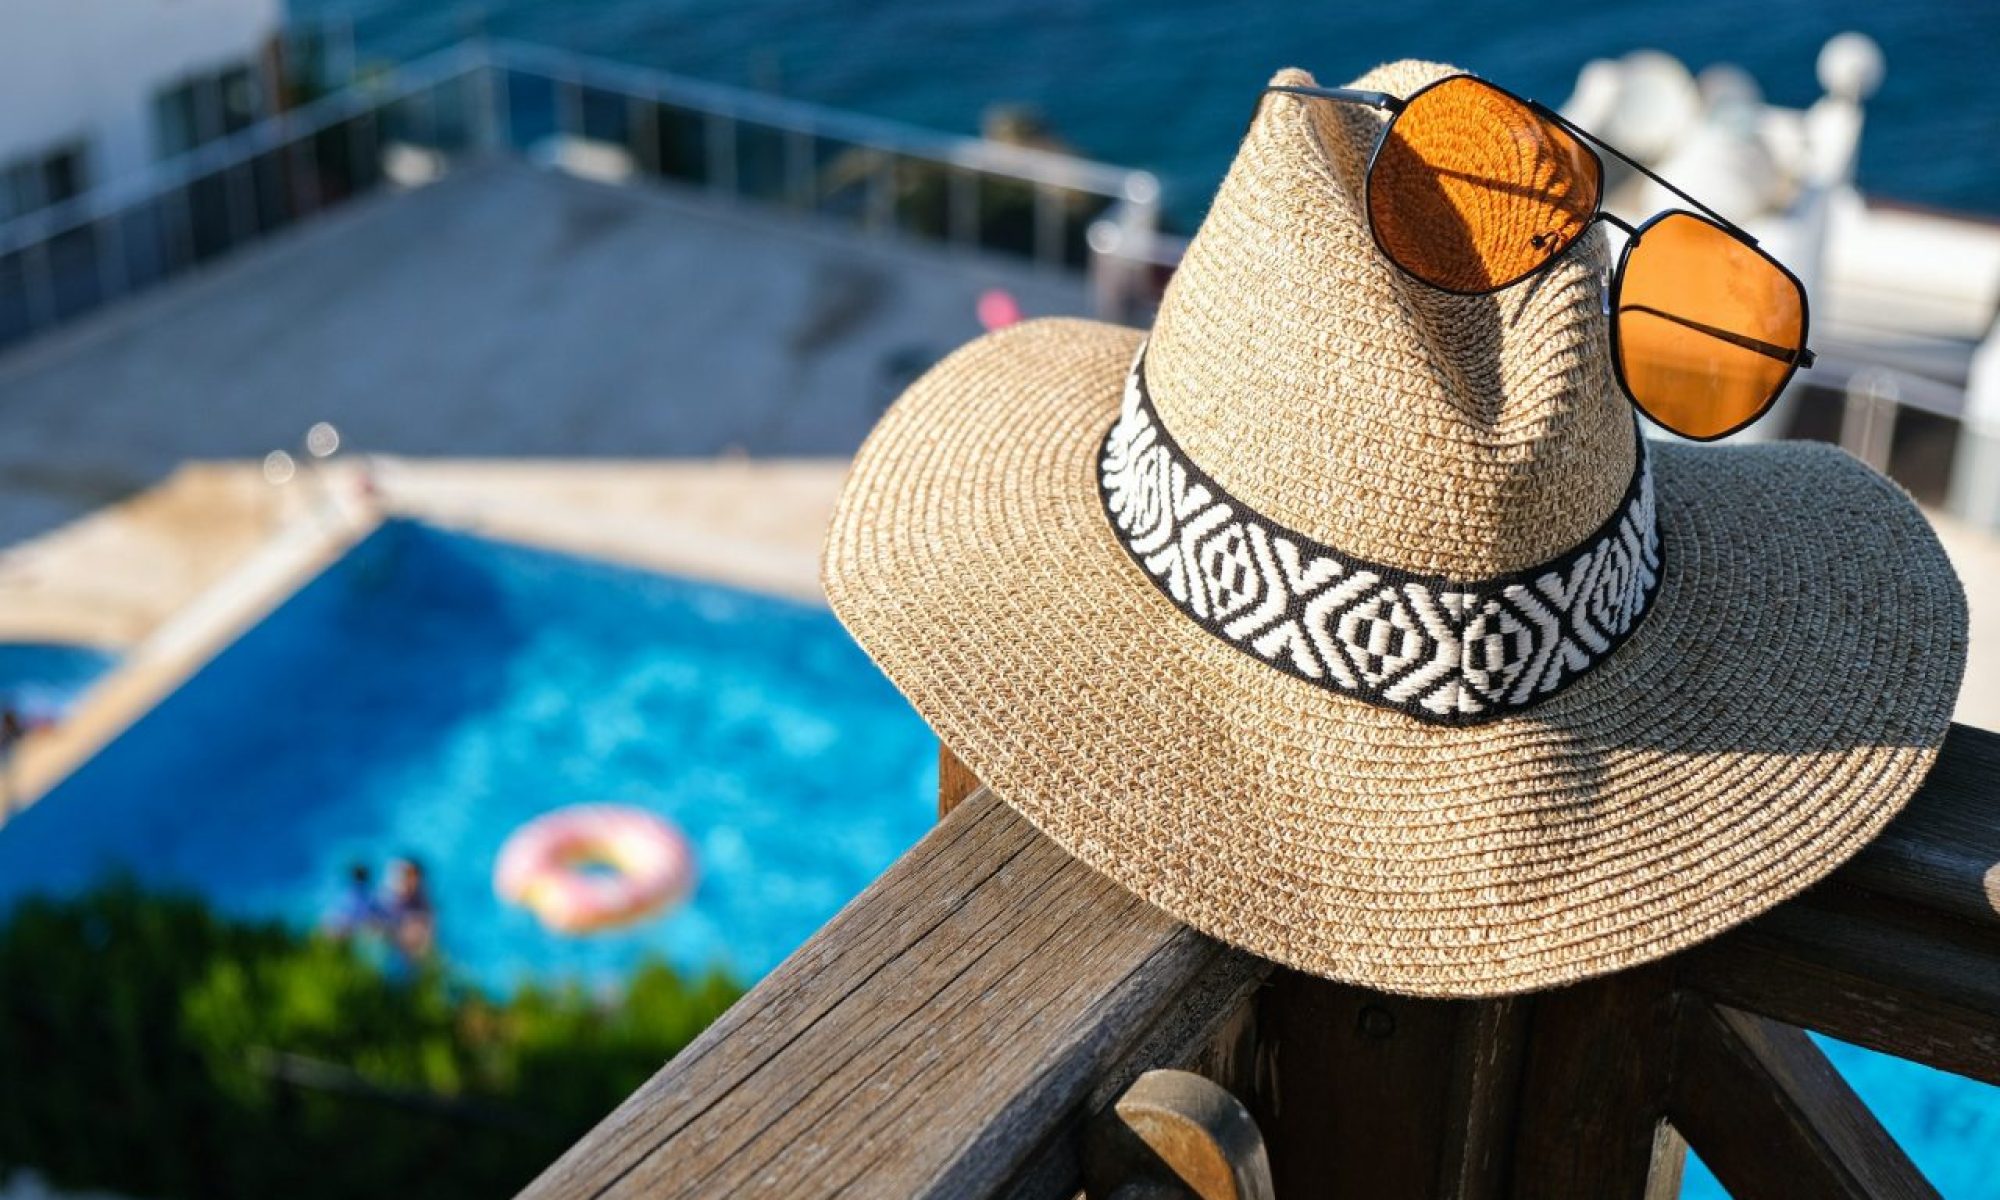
569	106
801	180
484	118
108	239
1868	418
642	119
880	215
719	130
962	213
1123	250
1975	465
39	282
503	112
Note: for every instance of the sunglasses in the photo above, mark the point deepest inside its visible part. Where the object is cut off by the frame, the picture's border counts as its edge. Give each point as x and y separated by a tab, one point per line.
1471	189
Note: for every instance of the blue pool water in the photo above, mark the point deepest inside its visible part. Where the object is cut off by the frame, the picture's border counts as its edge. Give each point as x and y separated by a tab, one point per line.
432	691
41	680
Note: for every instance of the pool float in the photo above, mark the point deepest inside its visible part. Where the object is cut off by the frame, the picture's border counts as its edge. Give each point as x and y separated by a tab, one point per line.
594	866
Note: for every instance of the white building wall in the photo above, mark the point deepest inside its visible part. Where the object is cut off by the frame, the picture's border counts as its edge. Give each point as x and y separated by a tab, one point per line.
89	69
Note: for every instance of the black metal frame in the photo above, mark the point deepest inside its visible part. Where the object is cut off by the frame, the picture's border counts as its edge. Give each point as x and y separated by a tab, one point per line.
1589	143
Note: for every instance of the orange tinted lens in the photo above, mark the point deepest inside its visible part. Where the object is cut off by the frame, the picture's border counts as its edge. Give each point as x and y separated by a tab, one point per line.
1471	190
1708	327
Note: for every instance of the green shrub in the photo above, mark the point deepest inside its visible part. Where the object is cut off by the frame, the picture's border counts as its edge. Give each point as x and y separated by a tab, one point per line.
153	1047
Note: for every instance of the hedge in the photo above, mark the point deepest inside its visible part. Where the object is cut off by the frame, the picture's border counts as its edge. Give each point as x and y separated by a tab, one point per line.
152	1047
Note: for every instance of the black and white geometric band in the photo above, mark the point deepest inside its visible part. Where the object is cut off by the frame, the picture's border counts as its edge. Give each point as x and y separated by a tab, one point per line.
1444	651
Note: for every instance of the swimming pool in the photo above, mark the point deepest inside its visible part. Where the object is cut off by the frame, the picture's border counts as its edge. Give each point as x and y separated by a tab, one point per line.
40	680
432	691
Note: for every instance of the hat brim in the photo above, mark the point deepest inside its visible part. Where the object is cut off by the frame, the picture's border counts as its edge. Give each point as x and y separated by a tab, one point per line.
1779	704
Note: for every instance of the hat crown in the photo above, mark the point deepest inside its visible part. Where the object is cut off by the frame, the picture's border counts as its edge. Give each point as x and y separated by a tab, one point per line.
1458	436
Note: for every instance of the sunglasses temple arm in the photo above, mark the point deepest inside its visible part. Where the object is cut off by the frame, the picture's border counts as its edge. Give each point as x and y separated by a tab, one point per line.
1381	100
1801	356
1552	115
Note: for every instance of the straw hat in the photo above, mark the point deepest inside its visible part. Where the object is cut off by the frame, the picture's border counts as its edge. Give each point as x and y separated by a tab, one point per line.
1354	625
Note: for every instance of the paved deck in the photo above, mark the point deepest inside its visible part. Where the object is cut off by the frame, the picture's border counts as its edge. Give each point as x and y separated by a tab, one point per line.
114	577
503	312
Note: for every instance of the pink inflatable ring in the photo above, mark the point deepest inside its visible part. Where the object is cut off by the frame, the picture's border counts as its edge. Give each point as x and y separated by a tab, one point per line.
643	866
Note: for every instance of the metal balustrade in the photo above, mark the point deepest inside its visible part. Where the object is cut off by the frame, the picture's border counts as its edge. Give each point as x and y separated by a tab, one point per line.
595	117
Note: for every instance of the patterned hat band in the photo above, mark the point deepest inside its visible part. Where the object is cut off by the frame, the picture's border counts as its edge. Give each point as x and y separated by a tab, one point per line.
1445	651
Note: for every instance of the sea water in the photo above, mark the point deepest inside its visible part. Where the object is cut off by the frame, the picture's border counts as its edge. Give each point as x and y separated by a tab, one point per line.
1169	84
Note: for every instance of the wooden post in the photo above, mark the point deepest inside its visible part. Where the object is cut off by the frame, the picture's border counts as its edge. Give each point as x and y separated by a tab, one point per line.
1360	1093
1594	1092
955	783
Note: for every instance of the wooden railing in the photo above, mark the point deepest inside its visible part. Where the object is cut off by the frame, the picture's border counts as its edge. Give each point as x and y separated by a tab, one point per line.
956	1029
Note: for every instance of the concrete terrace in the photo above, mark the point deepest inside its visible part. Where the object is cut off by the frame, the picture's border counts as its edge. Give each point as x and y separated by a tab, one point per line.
504	311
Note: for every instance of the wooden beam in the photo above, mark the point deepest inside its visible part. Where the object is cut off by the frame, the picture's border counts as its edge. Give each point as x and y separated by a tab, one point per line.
950	1031
1899	950
1773	1119
947	1034
955	781
1594	1092
1867	969
1942	852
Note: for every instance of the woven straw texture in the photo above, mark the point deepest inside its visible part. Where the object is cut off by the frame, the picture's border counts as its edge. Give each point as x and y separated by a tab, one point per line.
1782	700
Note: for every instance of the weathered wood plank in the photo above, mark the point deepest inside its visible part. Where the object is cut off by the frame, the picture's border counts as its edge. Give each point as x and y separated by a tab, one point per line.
1942	852
948	1032
1773	1119
1594	1092
1868	969
1489	1051
956	857
944	1035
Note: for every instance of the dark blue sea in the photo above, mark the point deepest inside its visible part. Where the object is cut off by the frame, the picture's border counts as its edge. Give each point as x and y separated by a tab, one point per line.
1168	84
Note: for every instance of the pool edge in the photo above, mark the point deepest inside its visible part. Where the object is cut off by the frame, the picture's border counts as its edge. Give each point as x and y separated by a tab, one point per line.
184	643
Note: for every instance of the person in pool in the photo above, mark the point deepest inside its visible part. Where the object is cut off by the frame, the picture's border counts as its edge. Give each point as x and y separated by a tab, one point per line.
356	912
411	921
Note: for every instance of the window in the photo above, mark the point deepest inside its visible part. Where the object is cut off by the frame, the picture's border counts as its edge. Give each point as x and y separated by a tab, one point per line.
38	180
237	90
204	107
